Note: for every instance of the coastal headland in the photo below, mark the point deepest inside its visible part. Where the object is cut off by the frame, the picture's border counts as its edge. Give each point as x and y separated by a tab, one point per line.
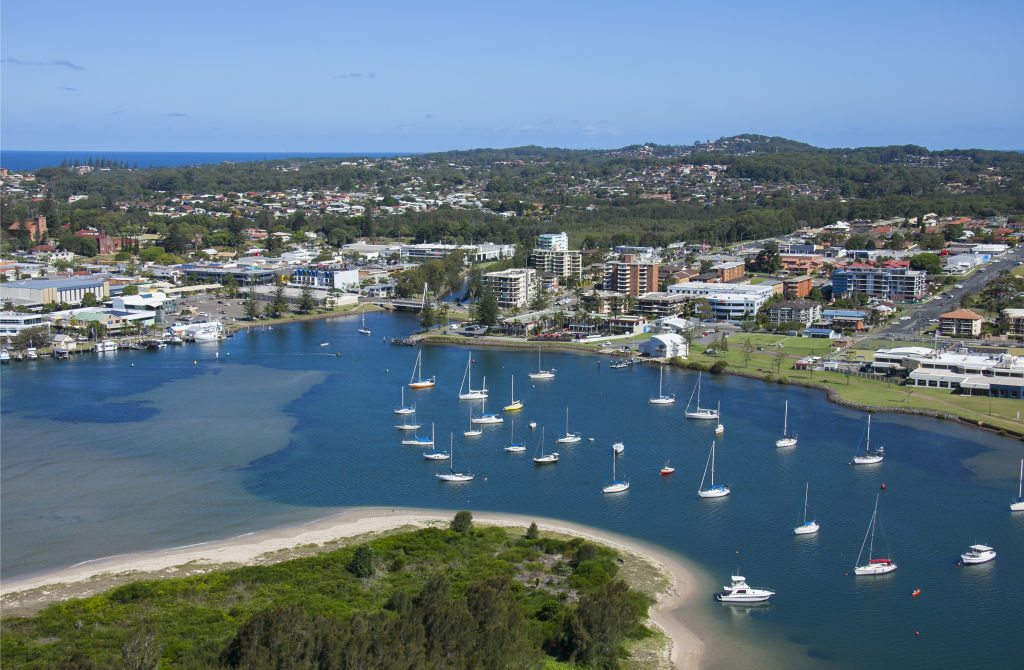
25	595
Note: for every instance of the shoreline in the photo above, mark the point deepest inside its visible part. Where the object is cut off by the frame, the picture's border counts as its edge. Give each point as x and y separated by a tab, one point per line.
33	592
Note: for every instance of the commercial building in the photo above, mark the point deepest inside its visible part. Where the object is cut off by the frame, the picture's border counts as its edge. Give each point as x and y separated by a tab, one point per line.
997	375
514	288
897	284
729	302
631	276
43	291
322	278
560	262
12	323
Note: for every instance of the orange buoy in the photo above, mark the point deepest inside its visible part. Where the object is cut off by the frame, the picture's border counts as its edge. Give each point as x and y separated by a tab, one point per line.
916	592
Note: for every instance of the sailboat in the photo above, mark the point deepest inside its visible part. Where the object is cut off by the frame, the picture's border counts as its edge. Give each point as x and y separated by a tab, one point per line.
874	566
486	418
513	446
544	459
408	423
541	373
870	455
807	527
1018	504
661	398
416	381
618	447
362	328
617	485
568	438
417	441
719	429
403	409
471	393
514	404
715	490
666	469
698	412
786	440
451	475
472	432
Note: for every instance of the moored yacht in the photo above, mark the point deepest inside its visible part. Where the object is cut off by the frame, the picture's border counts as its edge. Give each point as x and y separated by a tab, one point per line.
979	553
739	592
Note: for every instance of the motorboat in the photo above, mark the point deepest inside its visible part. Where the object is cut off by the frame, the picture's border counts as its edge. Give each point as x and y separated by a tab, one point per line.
699	412
874	566
979	553
787	440
869	456
714	490
738	592
5	356
533	425
568	438
661	398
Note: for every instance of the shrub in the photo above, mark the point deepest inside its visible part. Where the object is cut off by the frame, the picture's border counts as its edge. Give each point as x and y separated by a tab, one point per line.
463	522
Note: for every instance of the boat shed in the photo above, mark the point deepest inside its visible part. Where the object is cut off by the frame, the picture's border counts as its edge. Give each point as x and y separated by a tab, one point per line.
665	345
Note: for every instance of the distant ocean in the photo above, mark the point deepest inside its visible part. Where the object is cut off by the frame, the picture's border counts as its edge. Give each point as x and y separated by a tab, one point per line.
33	160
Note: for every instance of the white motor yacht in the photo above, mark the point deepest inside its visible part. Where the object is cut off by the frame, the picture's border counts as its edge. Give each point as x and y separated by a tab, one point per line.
739	592
979	553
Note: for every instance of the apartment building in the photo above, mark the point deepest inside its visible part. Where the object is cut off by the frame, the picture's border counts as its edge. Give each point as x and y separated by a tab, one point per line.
803	311
898	284
553	242
960	322
560	262
630	276
514	288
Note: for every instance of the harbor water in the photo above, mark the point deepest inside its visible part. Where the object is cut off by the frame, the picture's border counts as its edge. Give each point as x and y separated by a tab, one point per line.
136	450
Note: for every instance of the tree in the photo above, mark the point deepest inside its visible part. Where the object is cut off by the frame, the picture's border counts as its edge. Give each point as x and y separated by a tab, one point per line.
361	564
748	351
130	289
279	304
230	285
930	263
89	299
487	309
463	522
428	316
532	533
307	303
251	304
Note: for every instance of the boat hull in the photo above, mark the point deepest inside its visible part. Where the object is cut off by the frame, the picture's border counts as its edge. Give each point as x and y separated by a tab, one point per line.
542	375
879	569
436	457
666	471
783	442
702	415
454	477
546	460
473	395
742	600
422	384
513	406
569	439
717	492
808	528
617	487
866	460
661	401
969	559
472	433
515	449
487	420
1017	506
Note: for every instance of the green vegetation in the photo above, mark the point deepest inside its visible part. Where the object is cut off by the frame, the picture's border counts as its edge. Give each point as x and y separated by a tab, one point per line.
468	597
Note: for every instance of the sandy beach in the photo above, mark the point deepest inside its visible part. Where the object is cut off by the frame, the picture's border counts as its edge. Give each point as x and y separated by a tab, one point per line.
22	596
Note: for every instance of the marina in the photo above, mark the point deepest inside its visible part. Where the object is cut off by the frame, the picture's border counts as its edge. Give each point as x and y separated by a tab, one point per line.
300	431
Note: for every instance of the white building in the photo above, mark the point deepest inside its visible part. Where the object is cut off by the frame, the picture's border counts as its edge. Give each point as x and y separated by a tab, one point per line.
553	242
665	345
729	302
12	323
514	288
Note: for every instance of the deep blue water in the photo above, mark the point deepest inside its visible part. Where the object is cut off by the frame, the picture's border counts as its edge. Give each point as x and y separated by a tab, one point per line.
141	450
33	160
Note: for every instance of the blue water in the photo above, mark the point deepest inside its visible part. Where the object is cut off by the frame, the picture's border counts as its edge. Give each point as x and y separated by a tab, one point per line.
131	451
33	160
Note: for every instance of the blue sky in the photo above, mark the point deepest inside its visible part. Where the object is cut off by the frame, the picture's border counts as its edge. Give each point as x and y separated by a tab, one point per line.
415	76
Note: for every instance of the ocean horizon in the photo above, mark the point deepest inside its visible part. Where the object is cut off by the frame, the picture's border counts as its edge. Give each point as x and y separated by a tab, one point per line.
20	160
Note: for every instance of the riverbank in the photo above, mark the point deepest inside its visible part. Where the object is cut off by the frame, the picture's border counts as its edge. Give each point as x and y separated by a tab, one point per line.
26	595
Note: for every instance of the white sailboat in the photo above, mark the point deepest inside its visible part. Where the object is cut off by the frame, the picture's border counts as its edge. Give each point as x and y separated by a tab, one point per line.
451	475
699	412
719	429
786	440
513	446
1018	504
487	419
362	327
541	373
408	422
618	448
807	527
417	441
416	381
714	490
471	393
514	404
617	485
544	459
661	398
403	409
870	455
568	438
473	431
874	566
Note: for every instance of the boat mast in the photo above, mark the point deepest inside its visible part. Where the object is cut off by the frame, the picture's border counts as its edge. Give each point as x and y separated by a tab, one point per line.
712	463
867	440
807	490
785	423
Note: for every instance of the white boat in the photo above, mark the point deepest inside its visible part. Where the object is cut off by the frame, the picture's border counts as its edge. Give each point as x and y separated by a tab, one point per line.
513	446
451	475
786	440
514	404
714	490
207	331
403	409
408	423
487	419
544	459
541	373
363	330
31	354
417	441
436	455
874	566
618	447
471	393
661	398
739	592
533	425
1018	504
416	381
617	485
807	527
719	429
5	356
698	412
105	345
979	553
568	438
324	343
870	455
